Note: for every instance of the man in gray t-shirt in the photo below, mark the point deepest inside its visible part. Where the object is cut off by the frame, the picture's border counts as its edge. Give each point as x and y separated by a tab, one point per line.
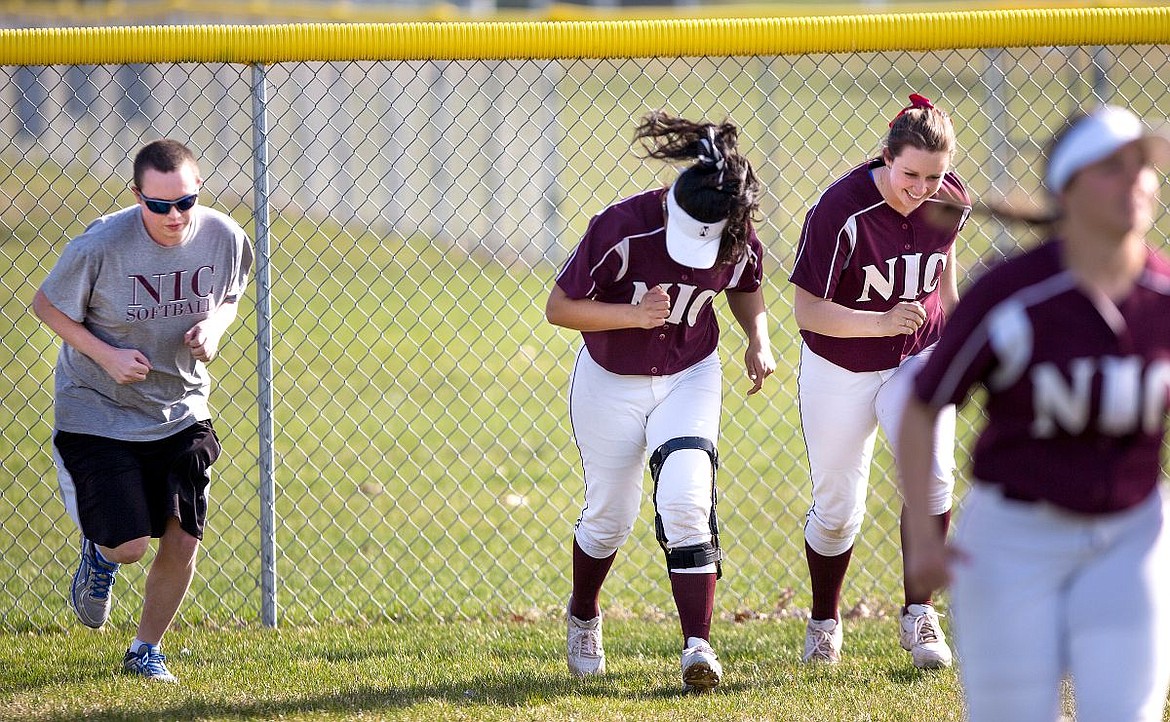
141	300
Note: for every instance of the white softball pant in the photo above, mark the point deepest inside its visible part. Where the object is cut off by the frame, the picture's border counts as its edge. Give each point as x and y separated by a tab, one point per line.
617	421
840	411
1044	592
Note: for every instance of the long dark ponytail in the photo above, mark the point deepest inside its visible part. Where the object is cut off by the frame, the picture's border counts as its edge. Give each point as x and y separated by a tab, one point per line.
1041	214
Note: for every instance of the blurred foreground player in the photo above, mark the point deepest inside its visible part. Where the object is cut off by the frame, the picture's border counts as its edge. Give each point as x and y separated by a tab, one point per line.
1060	556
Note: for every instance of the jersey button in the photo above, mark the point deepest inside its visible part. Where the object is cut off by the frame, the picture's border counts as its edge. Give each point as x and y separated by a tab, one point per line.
653	369
907	246
905	226
661	337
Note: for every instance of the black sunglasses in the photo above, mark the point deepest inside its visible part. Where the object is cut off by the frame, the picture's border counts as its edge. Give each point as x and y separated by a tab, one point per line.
161	207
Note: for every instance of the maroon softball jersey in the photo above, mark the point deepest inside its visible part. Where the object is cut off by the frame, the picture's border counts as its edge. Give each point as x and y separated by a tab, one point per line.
1077	387
858	252
623	255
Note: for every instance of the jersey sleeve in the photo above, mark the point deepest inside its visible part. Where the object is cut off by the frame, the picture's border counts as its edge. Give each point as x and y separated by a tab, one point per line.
960	197
824	247
951	206
752	275
964	356
591	266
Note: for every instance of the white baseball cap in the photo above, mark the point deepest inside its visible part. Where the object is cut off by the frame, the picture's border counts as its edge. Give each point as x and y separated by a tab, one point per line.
690	242
1097	136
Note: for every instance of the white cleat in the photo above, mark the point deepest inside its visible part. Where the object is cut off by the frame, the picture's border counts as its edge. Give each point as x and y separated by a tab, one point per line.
823	639
701	670
586	655
923	638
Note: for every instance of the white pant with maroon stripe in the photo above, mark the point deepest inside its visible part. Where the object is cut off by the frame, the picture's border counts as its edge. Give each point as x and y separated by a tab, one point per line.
840	411
1041	593
617	422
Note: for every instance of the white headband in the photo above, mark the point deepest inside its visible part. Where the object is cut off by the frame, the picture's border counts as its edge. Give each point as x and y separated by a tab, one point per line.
691	242
1097	136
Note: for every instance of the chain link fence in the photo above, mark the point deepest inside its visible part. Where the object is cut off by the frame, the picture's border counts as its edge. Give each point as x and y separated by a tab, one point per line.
422	455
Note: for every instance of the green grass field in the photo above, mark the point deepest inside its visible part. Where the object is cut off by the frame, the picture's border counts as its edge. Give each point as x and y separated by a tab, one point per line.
483	671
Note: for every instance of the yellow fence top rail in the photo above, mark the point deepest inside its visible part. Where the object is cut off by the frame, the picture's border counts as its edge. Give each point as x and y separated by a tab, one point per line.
585	39
29	13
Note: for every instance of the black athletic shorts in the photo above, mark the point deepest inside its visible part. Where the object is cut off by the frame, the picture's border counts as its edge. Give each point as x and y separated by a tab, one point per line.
131	489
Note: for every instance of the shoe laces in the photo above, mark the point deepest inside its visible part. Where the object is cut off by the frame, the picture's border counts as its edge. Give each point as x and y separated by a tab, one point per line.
925	630
585	643
822	642
155	664
151	663
103	579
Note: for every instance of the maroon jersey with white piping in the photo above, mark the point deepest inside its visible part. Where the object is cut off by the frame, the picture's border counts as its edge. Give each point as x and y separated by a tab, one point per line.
623	255
857	251
1078	387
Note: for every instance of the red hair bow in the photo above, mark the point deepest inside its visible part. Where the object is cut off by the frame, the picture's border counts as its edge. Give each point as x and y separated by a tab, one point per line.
916	101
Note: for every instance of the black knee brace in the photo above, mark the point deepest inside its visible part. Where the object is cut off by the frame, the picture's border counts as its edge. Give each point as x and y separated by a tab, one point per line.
699	555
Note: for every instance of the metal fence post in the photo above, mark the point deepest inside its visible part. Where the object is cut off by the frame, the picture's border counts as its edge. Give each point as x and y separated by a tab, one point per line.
999	139
264	348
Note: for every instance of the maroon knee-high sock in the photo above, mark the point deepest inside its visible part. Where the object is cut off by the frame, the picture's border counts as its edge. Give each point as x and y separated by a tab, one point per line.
588	576
827	575
917	596
694	595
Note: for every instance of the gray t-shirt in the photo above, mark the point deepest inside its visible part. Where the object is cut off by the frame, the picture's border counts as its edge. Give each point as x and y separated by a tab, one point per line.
133	293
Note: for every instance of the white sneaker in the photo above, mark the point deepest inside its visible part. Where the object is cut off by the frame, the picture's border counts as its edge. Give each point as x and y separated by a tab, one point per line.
701	670
823	639
586	655
922	636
